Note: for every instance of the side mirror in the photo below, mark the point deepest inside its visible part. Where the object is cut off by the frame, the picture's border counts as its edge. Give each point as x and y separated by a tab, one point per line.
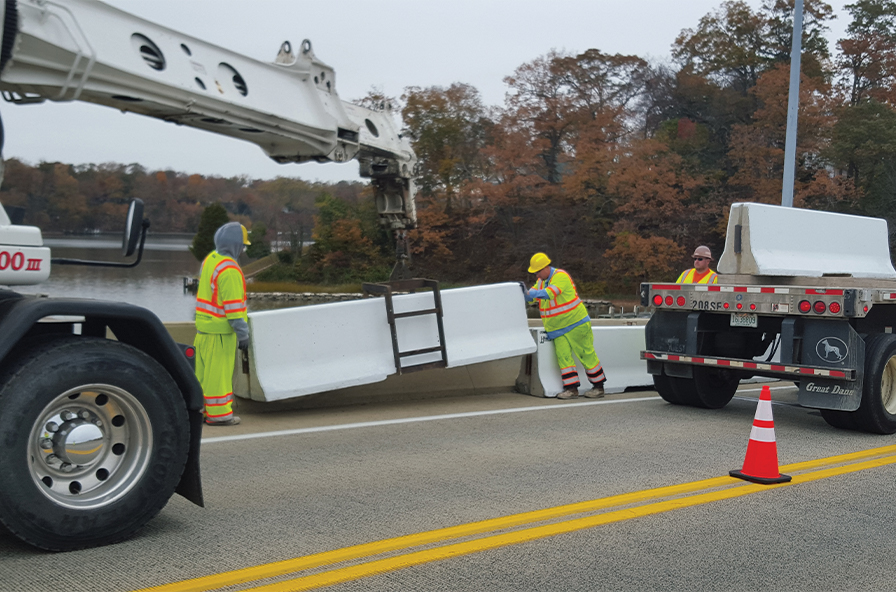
132	228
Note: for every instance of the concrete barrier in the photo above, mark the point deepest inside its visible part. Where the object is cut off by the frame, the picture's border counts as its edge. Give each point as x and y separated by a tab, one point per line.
767	240
618	345
312	349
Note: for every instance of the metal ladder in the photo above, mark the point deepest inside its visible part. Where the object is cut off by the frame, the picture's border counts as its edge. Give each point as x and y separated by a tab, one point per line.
386	289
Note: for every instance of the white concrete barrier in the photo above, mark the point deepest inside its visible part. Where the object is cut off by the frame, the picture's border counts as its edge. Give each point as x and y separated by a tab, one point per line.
311	349
618	347
779	241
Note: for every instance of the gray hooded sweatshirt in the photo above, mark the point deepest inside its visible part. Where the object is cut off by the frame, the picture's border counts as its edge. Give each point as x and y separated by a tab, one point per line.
229	241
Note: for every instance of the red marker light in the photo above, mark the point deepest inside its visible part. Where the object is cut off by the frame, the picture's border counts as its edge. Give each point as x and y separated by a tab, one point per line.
819	307
834	307
680	301
866	309
658	300
752	307
668	301
739	306
726	305
805	306
190	352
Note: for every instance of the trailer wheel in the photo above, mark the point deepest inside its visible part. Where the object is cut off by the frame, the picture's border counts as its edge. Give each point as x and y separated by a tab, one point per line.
842	420
664	386
710	388
95	438
877	412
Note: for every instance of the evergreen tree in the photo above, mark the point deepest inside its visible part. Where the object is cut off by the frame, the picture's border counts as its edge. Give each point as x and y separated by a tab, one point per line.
213	217
259	248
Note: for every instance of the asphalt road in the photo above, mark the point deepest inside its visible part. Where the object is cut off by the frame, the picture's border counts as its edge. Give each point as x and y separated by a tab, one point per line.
345	482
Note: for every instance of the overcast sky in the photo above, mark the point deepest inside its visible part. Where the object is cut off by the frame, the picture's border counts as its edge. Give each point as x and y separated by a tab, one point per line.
386	44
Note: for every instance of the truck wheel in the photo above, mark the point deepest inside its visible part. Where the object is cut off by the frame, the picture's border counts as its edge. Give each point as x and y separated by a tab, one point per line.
95	438
665	388
877	411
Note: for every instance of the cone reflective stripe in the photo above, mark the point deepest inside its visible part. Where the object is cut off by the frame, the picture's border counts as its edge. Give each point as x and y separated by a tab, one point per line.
761	462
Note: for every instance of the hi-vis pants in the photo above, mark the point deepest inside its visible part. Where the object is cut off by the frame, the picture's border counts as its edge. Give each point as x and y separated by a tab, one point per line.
215	359
581	342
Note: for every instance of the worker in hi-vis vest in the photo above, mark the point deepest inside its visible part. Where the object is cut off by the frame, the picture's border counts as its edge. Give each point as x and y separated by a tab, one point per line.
568	325
700	273
221	323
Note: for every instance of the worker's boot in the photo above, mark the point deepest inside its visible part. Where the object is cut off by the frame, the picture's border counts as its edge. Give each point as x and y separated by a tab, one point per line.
235	420
596	392
569	394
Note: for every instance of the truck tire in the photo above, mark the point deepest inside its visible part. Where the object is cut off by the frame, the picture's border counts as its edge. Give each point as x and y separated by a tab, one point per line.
877	411
710	388
95	437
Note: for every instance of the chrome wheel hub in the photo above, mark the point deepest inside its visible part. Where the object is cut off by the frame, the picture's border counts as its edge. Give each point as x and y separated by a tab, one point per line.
90	446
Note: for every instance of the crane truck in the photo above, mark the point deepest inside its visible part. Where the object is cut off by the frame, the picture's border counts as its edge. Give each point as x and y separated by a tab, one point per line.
100	413
804	296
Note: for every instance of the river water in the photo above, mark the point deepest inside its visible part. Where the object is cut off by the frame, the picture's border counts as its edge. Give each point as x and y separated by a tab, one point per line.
156	284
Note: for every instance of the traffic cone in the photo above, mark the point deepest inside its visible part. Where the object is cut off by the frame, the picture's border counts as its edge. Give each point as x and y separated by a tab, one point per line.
761	463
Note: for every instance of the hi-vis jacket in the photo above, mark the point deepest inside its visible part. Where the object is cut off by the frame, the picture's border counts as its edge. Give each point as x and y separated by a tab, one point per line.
690	277
221	294
559	304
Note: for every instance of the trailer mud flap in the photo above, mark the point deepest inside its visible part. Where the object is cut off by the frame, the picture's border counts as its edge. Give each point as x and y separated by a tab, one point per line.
834	345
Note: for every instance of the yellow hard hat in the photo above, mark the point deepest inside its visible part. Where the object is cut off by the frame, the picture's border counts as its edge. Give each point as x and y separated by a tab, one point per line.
538	262
245	235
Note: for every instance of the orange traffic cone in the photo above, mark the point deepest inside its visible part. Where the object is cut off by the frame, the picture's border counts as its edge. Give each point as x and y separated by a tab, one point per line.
761	463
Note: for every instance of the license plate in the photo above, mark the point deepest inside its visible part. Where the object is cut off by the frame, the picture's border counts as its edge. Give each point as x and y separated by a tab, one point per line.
744	319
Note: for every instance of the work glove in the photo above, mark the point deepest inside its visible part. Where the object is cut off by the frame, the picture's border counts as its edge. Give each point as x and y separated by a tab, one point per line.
524	288
244	344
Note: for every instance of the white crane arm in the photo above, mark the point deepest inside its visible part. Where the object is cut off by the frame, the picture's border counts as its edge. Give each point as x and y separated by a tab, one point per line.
85	50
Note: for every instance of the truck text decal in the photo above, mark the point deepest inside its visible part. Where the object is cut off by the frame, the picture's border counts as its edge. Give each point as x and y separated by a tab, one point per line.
16	261
831	389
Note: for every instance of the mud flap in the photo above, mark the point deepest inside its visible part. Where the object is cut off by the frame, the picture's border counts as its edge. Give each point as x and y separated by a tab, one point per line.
834	345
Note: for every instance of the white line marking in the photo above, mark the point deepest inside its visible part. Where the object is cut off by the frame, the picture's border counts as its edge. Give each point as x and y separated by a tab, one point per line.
370	424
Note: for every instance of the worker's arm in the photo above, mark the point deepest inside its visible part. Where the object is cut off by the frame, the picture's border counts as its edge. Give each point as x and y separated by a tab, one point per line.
233	297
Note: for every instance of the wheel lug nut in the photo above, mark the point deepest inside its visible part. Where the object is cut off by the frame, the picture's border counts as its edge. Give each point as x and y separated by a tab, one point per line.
46	444
98	423
52	427
85	414
66	467
51	459
67	415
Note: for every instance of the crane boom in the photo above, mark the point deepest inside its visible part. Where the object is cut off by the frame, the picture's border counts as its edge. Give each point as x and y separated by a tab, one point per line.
85	50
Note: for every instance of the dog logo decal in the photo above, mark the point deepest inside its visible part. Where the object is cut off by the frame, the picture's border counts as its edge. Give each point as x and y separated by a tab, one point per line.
832	350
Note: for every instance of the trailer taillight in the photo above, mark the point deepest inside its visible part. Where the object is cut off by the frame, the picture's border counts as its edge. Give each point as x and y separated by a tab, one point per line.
819	307
190	353
752	307
658	300
805	306
680	301
834	307
726	305
668	301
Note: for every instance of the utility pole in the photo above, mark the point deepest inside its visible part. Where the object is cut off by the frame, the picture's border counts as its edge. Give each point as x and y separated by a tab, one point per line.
793	106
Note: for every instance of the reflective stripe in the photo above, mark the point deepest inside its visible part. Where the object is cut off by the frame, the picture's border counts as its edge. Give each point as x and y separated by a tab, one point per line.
203	306
764	411
560	309
571	380
213	401
762	434
221	417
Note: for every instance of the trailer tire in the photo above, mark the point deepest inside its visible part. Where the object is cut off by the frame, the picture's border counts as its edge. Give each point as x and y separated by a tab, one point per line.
95	437
710	388
842	420
877	411
665	387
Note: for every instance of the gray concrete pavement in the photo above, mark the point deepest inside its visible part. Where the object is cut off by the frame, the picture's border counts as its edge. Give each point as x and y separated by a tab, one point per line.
286	496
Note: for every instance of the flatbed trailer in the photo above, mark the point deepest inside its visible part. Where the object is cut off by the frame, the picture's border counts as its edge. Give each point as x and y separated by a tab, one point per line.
825	328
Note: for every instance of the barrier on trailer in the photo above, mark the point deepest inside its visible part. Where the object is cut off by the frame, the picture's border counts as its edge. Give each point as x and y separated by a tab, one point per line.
772	240
312	349
618	348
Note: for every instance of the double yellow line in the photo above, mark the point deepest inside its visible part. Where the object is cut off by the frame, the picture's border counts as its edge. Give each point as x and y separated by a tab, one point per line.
520	528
